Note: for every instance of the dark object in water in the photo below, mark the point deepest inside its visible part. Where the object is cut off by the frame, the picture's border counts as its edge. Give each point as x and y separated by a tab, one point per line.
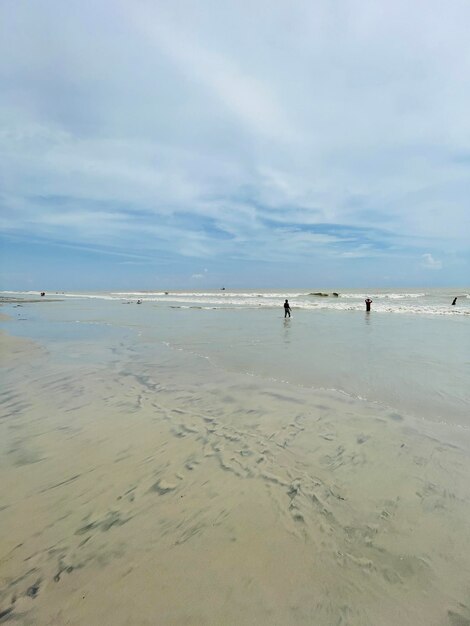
222	289
139	301
43	293
454	301
319	293
335	294
368	302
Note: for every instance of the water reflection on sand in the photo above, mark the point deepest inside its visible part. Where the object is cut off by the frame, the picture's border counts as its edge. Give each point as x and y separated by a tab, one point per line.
154	488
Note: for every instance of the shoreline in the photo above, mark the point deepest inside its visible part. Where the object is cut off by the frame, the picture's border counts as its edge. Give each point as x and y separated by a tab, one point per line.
6	300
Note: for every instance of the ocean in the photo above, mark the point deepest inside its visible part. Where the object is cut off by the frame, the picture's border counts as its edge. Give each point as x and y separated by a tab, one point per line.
199	459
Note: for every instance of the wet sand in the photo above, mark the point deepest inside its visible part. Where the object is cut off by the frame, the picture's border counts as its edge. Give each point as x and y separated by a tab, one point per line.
156	489
22	300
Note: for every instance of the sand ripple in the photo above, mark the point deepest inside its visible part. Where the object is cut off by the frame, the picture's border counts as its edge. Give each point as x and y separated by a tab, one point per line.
162	491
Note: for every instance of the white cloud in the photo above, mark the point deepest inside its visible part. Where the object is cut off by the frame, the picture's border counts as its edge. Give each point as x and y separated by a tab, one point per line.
430	263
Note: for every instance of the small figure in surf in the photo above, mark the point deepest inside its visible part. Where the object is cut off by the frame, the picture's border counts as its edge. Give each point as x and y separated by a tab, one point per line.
368	302
454	301
286	309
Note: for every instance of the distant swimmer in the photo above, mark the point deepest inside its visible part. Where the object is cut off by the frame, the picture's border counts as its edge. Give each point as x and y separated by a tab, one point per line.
139	301
368	302
43	293
454	301
286	308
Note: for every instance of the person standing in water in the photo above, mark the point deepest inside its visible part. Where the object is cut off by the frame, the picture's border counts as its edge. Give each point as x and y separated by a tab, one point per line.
454	301
368	302
286	308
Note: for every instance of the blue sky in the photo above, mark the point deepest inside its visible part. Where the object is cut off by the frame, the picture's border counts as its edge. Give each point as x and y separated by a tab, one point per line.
315	143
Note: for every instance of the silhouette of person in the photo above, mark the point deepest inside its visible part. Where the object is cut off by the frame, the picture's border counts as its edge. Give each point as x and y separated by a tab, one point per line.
368	302
286	308
454	301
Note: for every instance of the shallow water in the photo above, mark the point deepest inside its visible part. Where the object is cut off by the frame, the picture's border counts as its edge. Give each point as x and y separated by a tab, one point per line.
413	362
182	466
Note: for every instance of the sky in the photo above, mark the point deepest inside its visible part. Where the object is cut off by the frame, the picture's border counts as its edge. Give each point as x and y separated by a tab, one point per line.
198	144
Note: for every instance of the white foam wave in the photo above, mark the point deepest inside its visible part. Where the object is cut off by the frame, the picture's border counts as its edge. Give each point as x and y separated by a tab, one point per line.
383	296
88	296
199	294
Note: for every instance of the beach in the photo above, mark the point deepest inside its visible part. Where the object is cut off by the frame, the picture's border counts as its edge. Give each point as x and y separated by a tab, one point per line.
199	460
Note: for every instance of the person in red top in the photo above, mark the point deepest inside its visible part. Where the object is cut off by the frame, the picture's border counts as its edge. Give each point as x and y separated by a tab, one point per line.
368	303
